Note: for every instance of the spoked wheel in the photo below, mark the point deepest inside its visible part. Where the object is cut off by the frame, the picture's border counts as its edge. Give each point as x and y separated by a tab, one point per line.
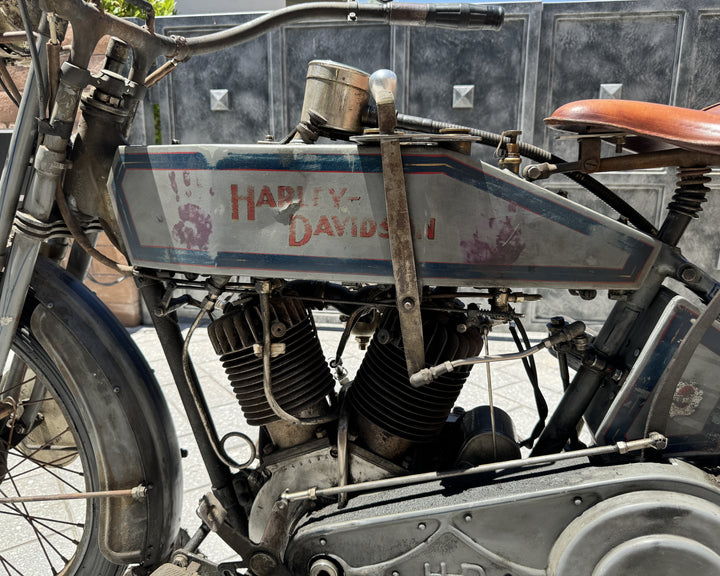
49	453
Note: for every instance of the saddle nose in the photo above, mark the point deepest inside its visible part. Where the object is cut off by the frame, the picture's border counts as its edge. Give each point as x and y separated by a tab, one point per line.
653	124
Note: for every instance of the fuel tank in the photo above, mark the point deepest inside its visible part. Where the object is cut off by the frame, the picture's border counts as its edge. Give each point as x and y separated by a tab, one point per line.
318	212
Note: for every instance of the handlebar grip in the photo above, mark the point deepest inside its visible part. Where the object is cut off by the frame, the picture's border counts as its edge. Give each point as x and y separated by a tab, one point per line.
465	16
456	16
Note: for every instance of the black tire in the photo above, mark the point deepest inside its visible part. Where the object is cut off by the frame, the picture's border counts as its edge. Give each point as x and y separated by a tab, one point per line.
50	537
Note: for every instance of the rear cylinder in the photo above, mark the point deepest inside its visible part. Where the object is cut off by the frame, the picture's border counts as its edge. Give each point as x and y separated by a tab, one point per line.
391	416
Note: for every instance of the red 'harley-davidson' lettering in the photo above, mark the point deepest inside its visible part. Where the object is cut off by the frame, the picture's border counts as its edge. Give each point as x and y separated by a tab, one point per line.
302	229
308	224
284	196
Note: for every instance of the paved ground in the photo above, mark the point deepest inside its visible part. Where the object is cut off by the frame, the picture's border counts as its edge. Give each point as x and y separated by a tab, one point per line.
511	392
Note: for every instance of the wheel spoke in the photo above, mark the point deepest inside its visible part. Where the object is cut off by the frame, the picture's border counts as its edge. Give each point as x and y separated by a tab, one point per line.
30	402
40	536
5	393
5	563
60	478
61	534
43	518
43	447
42	465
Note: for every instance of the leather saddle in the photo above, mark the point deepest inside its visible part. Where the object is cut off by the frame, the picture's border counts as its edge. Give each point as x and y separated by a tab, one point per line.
649	127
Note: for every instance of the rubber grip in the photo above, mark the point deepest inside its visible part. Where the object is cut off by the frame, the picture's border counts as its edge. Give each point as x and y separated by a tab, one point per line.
465	16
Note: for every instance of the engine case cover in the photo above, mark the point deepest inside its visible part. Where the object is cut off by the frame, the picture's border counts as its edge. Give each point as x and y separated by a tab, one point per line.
508	526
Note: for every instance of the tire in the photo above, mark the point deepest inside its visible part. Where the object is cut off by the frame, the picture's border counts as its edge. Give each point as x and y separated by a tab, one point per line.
55	457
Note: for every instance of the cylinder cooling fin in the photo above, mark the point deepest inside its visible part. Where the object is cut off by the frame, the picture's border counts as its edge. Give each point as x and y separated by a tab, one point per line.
382	393
301	377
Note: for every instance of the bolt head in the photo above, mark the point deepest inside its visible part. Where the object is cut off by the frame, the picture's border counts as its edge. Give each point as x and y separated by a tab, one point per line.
690	274
262	564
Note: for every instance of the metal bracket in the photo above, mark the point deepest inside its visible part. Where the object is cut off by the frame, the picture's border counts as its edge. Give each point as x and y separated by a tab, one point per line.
407	286
276	349
262	559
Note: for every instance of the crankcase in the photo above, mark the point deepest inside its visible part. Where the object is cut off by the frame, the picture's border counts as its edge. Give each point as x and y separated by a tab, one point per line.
318	212
508	525
315	464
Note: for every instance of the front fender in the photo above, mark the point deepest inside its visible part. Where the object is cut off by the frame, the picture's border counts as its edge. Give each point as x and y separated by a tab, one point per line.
129	421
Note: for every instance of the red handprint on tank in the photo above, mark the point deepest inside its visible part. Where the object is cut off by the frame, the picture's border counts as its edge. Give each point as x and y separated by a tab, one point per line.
194	228
504	248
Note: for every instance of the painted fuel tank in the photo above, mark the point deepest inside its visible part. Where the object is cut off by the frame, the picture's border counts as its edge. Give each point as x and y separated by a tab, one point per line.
318	212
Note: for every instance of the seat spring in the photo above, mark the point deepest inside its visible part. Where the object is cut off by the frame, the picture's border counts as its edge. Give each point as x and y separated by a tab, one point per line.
691	191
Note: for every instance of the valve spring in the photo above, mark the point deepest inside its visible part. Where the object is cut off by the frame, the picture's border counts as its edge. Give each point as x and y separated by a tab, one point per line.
691	191
382	392
300	376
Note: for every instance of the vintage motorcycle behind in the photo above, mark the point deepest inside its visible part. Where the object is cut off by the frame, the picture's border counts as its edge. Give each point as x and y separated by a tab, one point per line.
393	223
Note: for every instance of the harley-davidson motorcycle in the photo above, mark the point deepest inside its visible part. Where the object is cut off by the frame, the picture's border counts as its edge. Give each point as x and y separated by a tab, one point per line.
423	250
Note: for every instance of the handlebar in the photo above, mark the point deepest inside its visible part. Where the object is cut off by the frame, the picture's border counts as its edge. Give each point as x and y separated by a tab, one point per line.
458	16
90	24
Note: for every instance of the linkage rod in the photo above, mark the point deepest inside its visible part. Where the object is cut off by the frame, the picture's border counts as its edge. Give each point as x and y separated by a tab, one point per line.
654	440
137	493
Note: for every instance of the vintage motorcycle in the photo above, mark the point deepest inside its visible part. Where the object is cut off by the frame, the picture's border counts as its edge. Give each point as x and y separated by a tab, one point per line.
403	232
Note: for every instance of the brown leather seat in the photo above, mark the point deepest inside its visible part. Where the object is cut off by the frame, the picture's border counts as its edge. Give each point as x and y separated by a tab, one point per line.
697	130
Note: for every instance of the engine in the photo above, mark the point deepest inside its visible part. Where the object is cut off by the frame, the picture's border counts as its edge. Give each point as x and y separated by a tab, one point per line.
376	426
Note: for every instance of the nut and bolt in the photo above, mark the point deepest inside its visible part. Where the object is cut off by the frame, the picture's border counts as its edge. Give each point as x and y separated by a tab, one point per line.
278	329
383	336
690	274
180	560
324	567
590	165
408	304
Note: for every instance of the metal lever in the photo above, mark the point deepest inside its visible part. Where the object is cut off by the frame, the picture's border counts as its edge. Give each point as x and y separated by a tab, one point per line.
407	288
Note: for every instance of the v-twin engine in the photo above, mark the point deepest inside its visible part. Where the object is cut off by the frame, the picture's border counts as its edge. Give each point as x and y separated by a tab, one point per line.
388	416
